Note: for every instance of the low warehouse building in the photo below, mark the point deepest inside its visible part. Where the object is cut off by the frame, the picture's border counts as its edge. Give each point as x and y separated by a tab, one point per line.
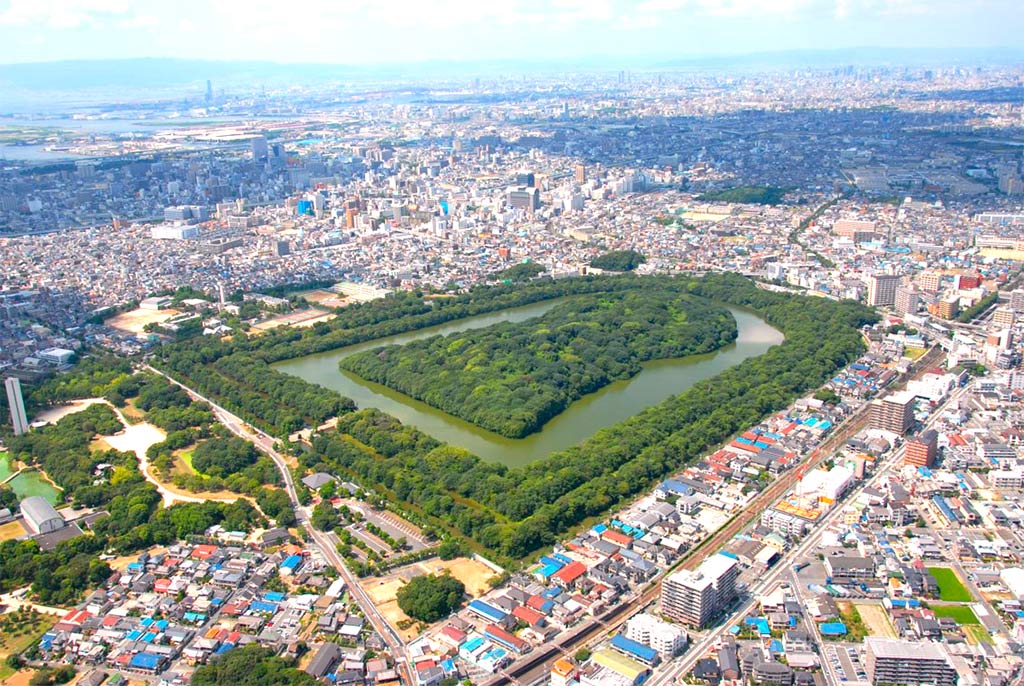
40	517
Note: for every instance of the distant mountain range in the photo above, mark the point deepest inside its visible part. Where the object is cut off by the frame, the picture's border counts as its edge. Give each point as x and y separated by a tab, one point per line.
167	73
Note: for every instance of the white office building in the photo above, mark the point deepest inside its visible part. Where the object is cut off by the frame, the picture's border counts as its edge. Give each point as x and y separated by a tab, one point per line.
668	639
694	597
14	400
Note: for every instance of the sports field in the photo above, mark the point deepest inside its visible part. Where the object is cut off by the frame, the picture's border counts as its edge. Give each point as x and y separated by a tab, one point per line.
382	589
135	321
951	589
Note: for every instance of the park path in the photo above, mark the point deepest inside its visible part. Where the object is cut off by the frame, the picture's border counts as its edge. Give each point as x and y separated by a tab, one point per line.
137	438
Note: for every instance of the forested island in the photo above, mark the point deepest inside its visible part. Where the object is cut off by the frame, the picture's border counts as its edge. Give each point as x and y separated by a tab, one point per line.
510	513
511	378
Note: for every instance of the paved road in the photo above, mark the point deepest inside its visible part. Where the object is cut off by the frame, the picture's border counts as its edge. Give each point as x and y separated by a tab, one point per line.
15	600
319	539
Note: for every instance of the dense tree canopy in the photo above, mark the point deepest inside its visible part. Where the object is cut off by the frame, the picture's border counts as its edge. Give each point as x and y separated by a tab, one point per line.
224	455
523	271
511	378
513	512
431	597
759	195
251	665
618	261
92	378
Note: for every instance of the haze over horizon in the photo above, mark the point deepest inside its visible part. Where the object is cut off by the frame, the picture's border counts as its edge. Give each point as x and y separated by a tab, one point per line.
361	32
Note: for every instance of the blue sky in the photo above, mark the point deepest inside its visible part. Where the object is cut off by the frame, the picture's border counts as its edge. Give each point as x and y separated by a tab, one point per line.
382	31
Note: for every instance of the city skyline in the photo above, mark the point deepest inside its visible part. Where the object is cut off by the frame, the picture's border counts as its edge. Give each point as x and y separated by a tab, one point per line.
361	33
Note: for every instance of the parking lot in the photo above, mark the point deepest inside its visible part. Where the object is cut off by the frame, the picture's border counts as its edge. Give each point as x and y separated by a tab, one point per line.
845	661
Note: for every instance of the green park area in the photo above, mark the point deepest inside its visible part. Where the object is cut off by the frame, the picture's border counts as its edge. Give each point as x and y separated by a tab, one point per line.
961	614
951	589
760	195
509	513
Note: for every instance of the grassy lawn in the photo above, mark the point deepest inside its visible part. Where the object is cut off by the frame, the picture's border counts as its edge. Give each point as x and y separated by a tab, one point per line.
10	531
132	413
914	353
976	634
951	589
961	614
183	462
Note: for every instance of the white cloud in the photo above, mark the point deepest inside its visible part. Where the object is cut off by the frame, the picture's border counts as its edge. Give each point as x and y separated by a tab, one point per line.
61	14
139	21
840	9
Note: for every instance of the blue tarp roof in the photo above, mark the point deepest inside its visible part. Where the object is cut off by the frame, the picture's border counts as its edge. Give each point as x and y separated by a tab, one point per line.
551	562
145	661
761	624
627	645
674	486
905	602
263	606
292	561
274	596
833	629
547	570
